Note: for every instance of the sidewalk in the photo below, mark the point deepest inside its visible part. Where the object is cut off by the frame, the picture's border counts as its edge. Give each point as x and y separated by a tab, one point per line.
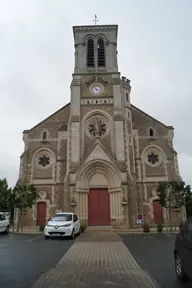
35	230
32	230
97	260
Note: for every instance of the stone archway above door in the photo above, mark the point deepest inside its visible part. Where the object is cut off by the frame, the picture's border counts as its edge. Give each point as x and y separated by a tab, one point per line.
102	167
98	179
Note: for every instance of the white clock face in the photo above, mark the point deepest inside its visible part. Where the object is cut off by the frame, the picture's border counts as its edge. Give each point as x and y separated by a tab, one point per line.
96	89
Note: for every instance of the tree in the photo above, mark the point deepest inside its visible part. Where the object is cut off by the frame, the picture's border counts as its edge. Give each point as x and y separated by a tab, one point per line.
173	195
24	197
5	192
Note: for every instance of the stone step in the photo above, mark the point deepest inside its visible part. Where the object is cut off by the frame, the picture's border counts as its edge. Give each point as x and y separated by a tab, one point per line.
99	228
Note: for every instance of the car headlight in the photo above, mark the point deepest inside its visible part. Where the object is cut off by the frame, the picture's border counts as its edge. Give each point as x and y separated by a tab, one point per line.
48	225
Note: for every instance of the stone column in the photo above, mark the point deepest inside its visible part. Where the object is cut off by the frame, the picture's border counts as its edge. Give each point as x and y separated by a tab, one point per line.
132	203
75	119
118	118
116	207
82	204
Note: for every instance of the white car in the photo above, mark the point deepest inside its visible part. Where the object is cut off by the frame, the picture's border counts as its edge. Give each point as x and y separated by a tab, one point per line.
63	224
4	223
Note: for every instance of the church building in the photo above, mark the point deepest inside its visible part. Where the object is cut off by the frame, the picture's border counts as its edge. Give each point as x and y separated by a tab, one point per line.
99	155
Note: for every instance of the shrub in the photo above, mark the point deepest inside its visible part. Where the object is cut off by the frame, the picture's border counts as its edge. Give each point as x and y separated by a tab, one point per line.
83	227
181	225
146	228
41	227
159	228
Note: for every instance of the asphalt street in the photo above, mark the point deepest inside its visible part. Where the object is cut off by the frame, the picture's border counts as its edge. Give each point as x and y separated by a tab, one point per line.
154	253
23	258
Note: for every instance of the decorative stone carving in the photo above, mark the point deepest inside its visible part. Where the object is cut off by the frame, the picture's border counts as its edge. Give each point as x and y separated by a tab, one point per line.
42	194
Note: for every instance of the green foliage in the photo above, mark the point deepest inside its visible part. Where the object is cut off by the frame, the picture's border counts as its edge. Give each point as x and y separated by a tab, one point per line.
24	196
159	228
41	227
5	192
83	227
174	194
146	228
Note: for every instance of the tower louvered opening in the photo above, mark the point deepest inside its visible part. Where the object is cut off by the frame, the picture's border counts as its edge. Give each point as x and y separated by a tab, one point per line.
90	53
101	53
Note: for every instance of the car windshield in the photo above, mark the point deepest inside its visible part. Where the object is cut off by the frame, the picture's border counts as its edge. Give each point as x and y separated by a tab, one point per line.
62	217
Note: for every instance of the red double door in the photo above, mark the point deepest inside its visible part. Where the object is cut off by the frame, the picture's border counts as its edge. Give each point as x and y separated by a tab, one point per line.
98	207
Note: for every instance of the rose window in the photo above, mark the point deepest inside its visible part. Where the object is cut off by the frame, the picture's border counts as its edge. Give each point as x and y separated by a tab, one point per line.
44	160
153	158
97	128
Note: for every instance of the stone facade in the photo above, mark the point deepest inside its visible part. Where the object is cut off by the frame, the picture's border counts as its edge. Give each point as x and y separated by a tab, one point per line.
99	140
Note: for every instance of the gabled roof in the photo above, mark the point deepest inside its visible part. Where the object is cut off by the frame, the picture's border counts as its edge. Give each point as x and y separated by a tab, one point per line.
27	131
152	118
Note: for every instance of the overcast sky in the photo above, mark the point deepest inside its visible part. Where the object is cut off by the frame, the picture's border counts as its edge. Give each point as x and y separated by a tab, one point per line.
37	58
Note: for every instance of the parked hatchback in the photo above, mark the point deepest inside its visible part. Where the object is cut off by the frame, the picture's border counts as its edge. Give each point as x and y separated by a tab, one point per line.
183	252
4	223
63	224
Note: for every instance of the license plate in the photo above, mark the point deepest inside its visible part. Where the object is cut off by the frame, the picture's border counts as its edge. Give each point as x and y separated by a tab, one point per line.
55	234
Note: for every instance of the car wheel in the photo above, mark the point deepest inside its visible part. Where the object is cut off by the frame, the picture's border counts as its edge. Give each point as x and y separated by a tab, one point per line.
46	237
179	269
73	234
7	230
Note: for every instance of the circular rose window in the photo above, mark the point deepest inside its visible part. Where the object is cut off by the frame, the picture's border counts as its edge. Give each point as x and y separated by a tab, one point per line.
97	127
43	160
153	158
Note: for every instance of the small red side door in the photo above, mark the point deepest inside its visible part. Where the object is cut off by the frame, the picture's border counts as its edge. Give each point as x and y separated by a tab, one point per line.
41	213
158	212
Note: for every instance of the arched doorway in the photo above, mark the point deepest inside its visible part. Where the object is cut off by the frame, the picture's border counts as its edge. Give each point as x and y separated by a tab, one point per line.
99	193
41	213
158	212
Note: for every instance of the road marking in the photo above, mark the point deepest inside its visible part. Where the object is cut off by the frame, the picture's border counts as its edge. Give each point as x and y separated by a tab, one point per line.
169	235
34	238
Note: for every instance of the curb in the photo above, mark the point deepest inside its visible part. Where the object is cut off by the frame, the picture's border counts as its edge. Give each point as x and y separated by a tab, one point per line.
148	233
26	233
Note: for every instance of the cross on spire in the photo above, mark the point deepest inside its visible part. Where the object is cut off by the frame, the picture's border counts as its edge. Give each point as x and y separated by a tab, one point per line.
95	20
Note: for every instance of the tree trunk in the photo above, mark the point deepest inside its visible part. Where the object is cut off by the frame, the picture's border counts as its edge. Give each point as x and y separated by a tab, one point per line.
14	213
170	218
18	221
167	212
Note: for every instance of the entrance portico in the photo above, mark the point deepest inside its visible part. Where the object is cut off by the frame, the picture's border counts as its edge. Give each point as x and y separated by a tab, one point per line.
98	187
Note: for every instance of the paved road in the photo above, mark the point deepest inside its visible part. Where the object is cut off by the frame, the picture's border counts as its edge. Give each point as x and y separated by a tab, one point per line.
97	260
23	258
154	253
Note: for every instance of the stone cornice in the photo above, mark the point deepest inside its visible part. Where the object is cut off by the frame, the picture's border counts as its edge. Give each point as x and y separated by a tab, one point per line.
95	28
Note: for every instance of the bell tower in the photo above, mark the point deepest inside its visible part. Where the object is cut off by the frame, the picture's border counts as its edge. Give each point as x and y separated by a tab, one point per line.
96	86
95	49
96	135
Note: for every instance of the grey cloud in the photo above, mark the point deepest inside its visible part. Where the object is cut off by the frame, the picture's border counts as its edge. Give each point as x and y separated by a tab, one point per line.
37	58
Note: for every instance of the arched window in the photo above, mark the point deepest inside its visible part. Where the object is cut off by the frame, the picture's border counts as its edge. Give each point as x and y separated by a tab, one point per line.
44	135
127	96
101	53
90	53
151	132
